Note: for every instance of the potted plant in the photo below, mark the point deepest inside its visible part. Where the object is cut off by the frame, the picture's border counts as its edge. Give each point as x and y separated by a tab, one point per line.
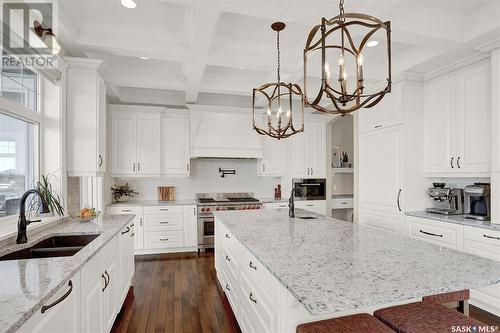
51	197
123	192
345	160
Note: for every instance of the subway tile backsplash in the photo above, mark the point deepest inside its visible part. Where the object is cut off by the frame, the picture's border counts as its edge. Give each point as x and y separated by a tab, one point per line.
205	177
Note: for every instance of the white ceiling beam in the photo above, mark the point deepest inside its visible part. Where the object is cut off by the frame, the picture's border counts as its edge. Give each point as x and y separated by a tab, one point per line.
204	21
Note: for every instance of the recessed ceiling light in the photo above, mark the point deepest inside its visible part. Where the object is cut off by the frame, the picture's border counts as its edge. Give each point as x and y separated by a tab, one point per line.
129	3
241	67
144	58
372	43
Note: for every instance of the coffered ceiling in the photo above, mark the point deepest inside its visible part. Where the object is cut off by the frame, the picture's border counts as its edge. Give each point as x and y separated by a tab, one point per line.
215	52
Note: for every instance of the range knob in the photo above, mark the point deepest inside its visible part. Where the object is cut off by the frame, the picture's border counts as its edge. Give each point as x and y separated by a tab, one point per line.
254	207
203	209
243	207
208	209
258	207
218	208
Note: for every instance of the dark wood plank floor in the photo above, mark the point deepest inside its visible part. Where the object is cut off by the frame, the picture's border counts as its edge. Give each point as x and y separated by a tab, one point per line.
180	293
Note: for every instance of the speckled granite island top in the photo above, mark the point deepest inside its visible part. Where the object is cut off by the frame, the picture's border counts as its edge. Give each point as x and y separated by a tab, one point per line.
331	265
26	284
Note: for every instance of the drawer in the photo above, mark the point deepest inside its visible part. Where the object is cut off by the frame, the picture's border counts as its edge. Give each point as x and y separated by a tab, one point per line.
135	210
163	239
228	240
342	203
257	306
392	222
486	236
230	267
167	221
275	205
95	266
257	272
230	288
435	232
163	209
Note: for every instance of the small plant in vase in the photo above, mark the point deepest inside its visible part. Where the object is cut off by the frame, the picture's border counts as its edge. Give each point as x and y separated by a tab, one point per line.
123	192
51	197
345	160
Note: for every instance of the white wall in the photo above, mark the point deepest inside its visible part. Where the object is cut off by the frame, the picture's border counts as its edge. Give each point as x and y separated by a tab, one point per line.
205	178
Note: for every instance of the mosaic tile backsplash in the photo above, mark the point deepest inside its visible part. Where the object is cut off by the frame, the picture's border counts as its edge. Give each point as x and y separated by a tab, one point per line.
205	177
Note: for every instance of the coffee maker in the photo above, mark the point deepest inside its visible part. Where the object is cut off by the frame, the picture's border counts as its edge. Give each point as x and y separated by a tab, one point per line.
477	201
447	201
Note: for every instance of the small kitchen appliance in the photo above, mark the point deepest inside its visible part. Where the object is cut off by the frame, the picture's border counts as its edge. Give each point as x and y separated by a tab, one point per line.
312	189
477	201
208	203
447	201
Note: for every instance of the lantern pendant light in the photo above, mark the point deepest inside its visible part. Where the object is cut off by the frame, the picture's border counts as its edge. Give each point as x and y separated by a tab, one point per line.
278	119
336	90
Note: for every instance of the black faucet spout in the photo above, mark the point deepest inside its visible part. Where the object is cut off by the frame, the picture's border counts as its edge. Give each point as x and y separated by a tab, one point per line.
291	202
22	223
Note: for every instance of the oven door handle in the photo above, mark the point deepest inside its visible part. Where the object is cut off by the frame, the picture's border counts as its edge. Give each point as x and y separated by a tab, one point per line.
310	184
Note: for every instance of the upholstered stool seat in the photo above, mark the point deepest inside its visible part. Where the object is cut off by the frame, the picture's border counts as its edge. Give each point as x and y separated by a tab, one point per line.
358	323
425	317
457	299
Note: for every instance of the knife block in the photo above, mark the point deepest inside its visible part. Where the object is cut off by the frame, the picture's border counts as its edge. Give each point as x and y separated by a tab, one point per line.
166	193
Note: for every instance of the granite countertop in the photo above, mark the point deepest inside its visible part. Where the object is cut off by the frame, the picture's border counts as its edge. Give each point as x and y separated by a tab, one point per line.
339	265
456	219
273	200
153	203
27	284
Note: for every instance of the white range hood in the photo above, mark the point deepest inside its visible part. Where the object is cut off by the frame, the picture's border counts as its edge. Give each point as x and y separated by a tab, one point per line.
221	132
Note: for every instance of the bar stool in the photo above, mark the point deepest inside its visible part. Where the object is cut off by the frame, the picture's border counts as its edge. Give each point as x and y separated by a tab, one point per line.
358	323
424	317
456	299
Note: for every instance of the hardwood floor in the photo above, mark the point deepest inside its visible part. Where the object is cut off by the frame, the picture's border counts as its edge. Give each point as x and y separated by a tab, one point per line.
176	293
180	293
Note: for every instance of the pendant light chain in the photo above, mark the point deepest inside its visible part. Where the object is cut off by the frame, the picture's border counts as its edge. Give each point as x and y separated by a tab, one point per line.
278	48
341	9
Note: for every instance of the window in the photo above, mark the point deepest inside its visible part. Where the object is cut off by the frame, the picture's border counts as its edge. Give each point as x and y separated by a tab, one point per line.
18	136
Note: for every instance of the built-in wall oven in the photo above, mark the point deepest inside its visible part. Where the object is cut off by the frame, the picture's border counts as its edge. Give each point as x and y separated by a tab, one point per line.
312	189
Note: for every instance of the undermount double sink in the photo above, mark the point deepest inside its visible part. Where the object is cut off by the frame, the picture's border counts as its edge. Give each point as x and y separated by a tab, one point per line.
56	246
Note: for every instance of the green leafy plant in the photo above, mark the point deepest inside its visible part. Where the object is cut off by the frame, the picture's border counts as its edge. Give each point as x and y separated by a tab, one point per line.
345	157
51	197
126	190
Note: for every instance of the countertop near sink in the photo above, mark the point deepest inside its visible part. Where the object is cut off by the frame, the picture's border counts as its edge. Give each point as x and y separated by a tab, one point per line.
26	284
153	203
456	219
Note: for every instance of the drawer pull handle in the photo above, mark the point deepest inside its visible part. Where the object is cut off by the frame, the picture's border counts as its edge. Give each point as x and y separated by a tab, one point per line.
252	266
163	239
430	233
105	282
309	205
163	209
164	222
62	298
227	236
227	287
378	126
491	237
227	258
132	235
106	272
124	232
126	210
132	225
252	298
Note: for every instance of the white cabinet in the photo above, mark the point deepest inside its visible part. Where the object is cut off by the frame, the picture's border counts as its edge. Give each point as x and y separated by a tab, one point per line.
436	232
135	141
273	161
388	221
110	298
457	122
86	118
275	205
59	318
388	112
92	308
315	206
175	144
125	260
309	151
190	226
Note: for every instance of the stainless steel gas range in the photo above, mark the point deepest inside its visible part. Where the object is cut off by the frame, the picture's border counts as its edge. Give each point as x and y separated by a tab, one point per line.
208	203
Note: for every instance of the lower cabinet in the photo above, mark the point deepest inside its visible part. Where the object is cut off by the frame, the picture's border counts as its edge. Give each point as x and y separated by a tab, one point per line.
315	206
275	205
91	299
388	221
443	234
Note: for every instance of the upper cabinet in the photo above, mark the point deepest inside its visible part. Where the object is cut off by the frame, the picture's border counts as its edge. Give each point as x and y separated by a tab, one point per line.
175	143
135	141
388	112
457	123
273	162
86	118
309	150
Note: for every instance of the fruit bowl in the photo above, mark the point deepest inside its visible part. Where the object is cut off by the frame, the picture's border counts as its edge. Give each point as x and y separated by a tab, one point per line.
85	215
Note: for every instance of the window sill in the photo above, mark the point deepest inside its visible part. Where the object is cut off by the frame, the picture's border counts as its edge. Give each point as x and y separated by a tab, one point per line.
8	226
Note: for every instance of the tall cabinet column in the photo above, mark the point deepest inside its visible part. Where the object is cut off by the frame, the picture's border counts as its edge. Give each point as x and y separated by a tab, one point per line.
495	135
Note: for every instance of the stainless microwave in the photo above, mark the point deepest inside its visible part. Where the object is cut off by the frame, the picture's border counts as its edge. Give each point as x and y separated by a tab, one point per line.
312	189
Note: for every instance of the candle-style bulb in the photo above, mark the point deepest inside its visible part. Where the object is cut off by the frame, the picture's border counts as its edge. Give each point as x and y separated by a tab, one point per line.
341	68
268	111
341	61
360	59
288	113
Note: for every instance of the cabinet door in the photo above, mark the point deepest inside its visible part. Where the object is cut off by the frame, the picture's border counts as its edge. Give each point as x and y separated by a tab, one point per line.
149	144
300	166
102	116
139	232
473	119
63	317
392	222
125	269
110	293
388	112
175	141
273	161
123	143
439	125
316	149
190	226
92	309
380	169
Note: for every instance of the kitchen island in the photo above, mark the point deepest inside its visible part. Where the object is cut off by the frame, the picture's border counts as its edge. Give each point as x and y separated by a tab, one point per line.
278	272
